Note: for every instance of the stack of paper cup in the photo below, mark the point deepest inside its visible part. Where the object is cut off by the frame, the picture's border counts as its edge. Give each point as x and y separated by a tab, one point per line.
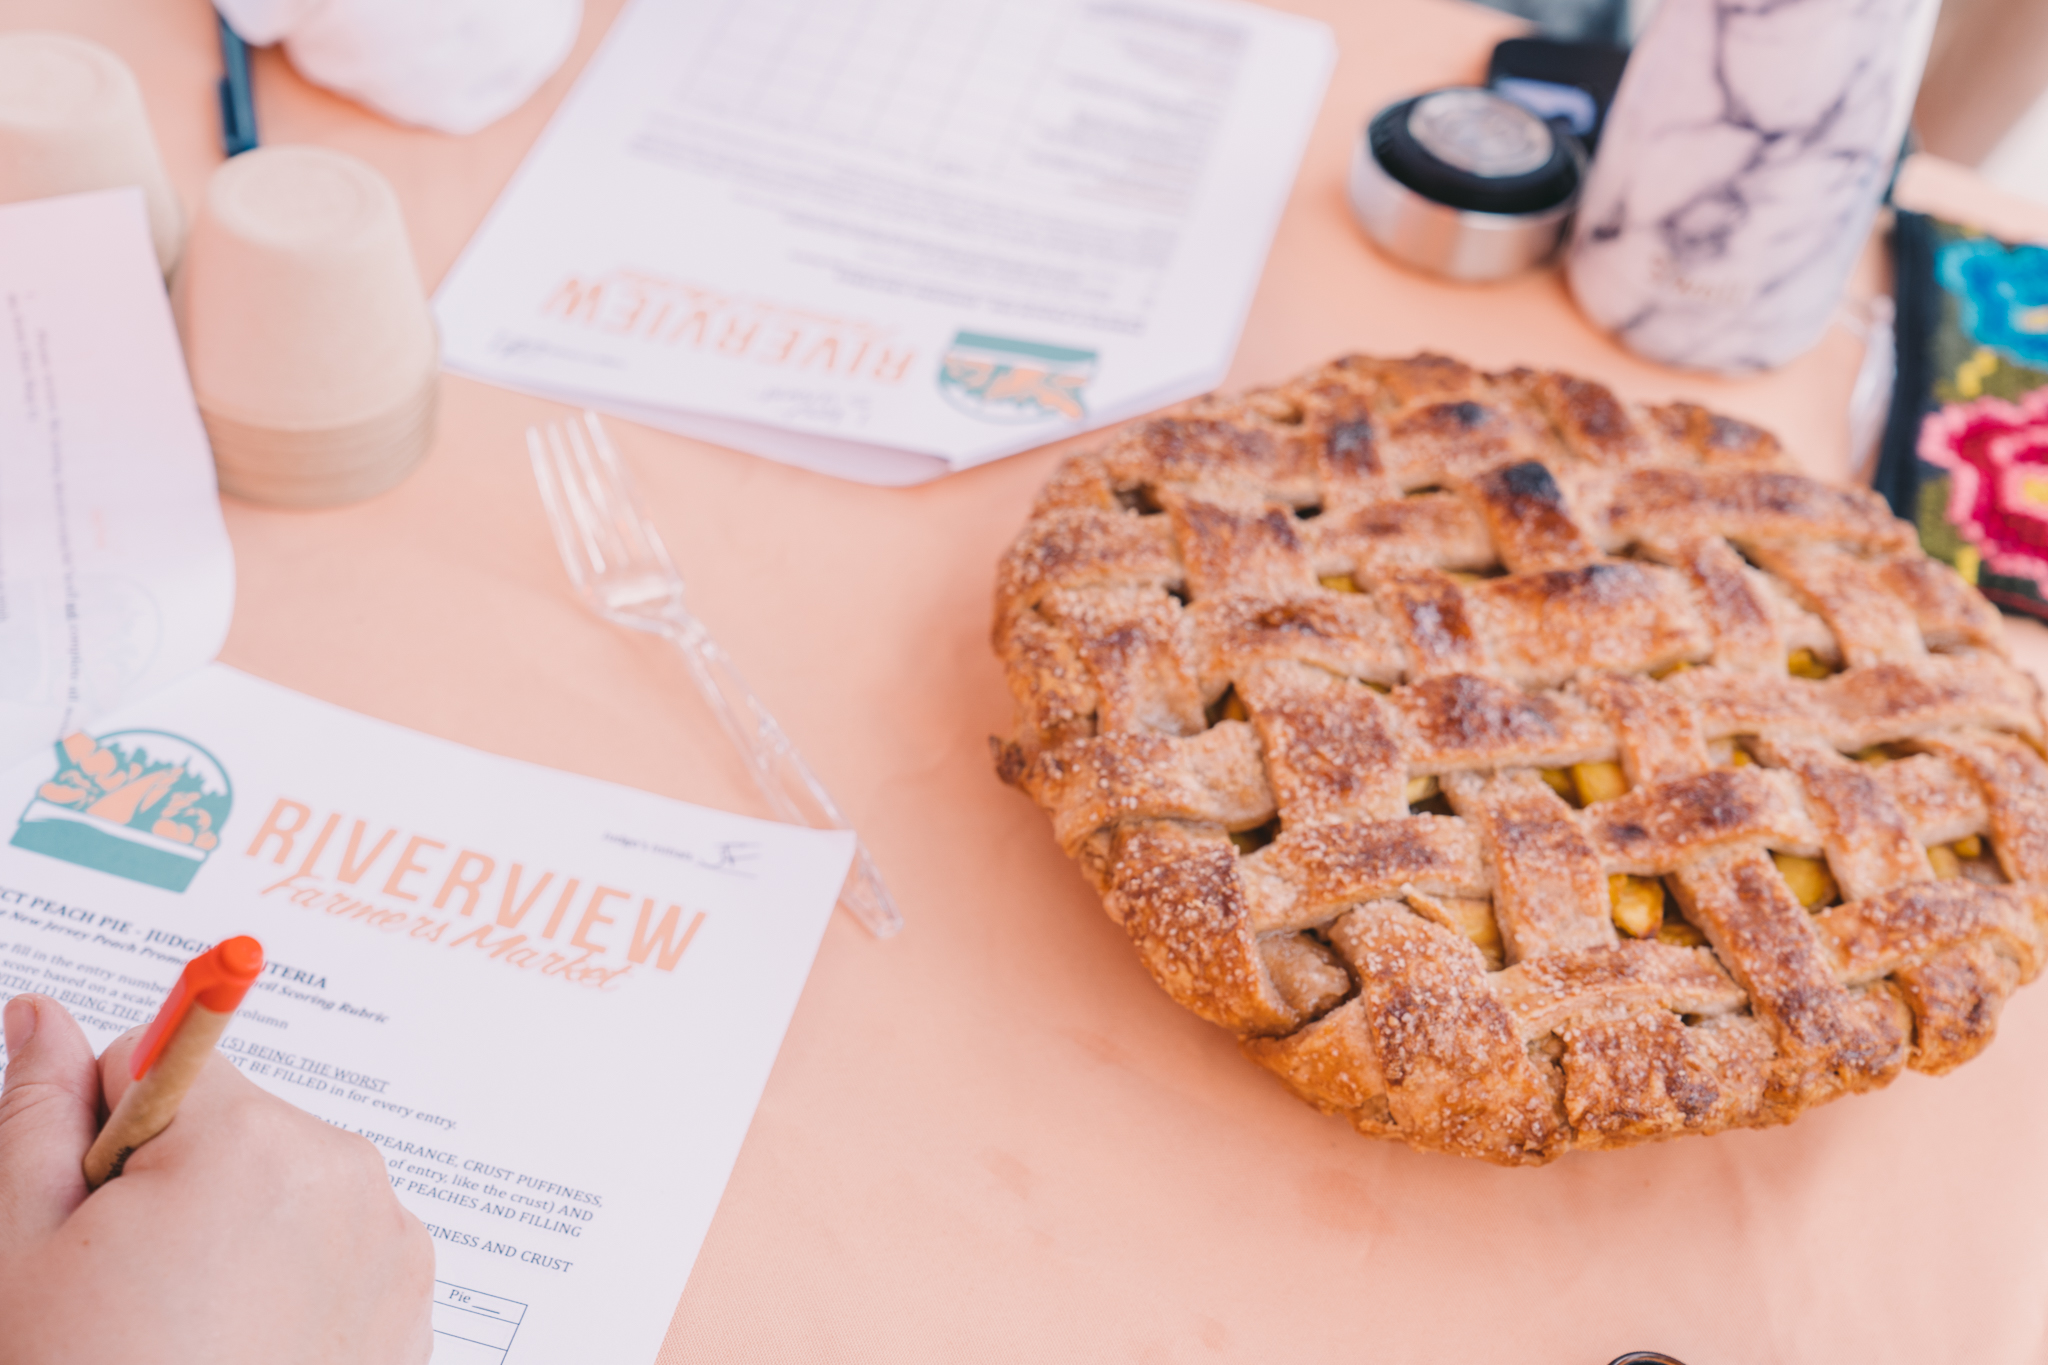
312	352
71	120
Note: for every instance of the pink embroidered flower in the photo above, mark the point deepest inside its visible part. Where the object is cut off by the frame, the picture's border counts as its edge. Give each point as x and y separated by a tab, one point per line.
1996	455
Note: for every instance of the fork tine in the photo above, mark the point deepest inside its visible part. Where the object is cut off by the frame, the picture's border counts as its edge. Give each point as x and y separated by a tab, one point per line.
556	497
607	533
586	501
610	484
593	539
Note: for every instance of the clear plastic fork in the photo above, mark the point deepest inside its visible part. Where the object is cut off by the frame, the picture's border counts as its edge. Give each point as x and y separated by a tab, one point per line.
620	568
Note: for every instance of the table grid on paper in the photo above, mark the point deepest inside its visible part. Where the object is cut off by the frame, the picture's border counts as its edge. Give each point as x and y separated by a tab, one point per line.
926	80
472	1327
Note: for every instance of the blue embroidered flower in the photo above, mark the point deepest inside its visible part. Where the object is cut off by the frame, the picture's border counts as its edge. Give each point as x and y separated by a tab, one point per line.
2004	295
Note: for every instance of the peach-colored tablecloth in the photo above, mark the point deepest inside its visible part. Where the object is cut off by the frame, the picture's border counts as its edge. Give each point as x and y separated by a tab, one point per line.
993	1139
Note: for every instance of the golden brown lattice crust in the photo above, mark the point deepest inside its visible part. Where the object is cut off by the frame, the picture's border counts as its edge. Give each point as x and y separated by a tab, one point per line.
1302	678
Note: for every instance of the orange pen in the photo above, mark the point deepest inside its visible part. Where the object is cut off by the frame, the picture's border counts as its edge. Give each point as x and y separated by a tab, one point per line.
171	1053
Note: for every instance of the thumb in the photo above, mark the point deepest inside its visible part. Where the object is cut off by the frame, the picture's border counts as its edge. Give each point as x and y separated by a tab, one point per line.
49	1113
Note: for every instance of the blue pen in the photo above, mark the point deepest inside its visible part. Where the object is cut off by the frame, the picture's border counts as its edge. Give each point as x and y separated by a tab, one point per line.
237	105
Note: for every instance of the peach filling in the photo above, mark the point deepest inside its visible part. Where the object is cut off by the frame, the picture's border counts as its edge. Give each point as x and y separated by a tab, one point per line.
1809	880
1804	663
1638	904
1583	784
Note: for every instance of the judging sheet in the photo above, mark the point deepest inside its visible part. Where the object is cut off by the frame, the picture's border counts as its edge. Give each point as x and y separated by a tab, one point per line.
886	237
550	1002
115	571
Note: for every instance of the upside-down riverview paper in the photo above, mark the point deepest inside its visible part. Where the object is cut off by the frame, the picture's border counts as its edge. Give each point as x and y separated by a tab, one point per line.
885	238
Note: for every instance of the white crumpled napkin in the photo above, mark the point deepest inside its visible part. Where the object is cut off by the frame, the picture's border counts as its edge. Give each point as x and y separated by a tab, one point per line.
451	65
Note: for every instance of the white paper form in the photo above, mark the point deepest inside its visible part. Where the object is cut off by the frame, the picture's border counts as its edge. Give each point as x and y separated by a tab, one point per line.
550	1002
115	571
836	231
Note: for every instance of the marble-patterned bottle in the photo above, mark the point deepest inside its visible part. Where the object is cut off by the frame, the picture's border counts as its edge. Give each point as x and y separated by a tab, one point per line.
1739	172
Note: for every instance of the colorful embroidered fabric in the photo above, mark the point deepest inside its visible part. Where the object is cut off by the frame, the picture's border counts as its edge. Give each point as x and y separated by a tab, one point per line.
1966	452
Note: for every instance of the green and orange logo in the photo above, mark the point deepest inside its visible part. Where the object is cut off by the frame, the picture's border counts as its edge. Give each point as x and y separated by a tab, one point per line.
999	379
140	804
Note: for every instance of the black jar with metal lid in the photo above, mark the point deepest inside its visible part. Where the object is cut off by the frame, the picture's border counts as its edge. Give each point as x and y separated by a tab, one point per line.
1465	183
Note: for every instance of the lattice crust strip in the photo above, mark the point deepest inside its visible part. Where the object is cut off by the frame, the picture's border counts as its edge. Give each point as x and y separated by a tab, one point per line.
1517	769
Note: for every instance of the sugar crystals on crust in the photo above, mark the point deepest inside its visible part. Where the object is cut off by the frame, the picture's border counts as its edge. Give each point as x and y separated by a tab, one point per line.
1514	769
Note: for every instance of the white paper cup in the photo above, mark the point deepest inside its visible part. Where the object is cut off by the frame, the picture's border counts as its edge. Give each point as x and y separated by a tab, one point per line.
71	120
326	467
312	352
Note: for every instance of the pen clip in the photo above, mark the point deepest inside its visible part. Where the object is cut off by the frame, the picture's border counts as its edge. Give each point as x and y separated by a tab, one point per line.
237	103
217	980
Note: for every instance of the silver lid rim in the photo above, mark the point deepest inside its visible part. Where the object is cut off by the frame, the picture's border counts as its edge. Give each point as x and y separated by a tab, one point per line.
1459	244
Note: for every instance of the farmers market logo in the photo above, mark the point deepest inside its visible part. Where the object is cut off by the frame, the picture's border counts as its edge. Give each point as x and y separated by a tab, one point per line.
140	804
1001	380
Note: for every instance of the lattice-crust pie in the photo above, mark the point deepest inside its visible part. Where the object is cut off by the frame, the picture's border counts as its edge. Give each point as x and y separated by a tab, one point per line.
1516	769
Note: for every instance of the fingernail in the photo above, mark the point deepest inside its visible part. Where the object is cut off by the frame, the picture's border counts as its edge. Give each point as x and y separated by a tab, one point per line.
18	1022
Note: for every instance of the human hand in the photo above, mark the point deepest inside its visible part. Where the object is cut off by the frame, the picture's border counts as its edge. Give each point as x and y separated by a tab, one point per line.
248	1231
